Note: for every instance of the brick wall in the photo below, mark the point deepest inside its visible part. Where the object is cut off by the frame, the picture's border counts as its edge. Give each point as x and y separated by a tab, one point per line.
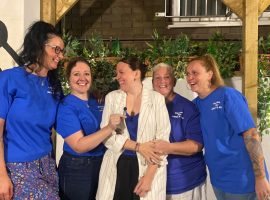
133	21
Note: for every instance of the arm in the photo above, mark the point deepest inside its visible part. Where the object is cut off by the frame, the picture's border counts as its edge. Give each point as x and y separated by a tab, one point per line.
253	146
6	187
146	149
80	143
185	148
145	182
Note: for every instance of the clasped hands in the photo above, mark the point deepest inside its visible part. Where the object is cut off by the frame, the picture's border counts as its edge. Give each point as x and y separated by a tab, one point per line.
153	151
115	120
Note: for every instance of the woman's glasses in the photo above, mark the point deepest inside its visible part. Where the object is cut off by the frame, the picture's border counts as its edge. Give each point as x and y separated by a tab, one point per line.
57	49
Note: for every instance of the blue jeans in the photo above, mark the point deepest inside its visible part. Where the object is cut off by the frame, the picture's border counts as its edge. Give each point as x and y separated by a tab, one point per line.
220	195
78	177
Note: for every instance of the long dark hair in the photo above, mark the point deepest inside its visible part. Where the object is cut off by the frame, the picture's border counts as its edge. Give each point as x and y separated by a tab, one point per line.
33	50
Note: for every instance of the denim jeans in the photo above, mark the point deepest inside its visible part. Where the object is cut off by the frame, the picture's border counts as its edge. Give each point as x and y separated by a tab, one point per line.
78	177
220	195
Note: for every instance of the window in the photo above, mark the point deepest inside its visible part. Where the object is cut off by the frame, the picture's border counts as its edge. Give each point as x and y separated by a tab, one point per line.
196	13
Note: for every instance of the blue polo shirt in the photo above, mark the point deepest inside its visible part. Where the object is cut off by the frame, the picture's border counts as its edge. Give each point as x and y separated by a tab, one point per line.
29	111
224	116
75	114
184	172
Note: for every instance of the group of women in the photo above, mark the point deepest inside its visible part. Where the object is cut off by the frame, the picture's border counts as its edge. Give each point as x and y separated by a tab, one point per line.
147	144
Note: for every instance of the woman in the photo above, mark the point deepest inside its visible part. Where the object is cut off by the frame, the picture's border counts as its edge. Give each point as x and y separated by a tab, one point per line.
186	170
29	96
233	151
78	124
129	170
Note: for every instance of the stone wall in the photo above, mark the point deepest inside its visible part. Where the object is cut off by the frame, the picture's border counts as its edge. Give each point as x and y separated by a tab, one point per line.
133	21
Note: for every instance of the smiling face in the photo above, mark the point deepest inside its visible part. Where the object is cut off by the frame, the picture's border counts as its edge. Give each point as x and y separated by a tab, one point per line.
80	80
163	82
126	76
198	78
51	57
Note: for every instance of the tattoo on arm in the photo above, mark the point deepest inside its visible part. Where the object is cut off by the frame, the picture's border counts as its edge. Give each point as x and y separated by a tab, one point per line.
254	148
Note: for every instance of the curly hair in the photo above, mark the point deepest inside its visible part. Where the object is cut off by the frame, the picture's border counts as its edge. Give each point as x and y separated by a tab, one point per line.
33	50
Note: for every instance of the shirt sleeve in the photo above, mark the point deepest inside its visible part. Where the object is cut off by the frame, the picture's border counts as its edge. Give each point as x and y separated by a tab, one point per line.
6	94
67	122
237	111
193	126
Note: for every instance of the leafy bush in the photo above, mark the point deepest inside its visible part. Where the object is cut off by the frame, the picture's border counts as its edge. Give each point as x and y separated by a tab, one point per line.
264	94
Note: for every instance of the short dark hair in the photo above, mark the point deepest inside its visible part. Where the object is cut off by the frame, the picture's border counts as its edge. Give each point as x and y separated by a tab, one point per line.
136	64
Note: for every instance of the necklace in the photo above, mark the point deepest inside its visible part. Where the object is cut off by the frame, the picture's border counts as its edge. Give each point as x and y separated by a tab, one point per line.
132	112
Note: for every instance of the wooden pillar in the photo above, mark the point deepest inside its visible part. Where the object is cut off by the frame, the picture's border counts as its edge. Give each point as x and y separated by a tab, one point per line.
48	11
250	53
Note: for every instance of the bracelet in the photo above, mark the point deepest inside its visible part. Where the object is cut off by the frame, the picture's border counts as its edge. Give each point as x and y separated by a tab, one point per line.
137	147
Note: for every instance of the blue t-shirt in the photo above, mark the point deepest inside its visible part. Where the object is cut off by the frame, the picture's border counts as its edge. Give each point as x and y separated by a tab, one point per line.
224	117
96	107
29	111
75	114
184	172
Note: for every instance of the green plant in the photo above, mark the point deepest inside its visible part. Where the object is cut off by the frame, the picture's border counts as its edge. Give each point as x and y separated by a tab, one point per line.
264	94
226	54
172	51
264	44
104	78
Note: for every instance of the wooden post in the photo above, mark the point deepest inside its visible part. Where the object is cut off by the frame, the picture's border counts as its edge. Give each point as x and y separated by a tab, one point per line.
249	11
48	11
250	53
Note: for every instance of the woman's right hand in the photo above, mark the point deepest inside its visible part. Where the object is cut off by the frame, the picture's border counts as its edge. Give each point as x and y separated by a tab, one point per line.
115	119
147	150
6	188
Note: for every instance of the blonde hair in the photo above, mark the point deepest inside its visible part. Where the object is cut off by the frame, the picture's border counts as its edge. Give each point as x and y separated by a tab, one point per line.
210	64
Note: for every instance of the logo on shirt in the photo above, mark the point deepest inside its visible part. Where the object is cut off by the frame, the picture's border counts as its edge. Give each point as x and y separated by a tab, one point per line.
50	90
178	115
216	105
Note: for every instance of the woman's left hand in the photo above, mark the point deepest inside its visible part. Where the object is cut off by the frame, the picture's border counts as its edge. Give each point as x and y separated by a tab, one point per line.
143	186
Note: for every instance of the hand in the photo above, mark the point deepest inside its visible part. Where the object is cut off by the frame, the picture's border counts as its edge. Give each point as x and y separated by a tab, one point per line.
143	186
147	150
6	188
162	147
262	189
115	119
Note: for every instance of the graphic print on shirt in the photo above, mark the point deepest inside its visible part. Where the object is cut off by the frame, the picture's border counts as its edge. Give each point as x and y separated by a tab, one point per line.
178	115
216	105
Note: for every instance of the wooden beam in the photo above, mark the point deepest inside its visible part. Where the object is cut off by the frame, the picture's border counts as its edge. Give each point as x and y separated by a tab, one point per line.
263	4
236	6
47	11
62	7
250	53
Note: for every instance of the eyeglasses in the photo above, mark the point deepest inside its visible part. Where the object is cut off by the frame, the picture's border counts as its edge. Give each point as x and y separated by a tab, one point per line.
56	48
